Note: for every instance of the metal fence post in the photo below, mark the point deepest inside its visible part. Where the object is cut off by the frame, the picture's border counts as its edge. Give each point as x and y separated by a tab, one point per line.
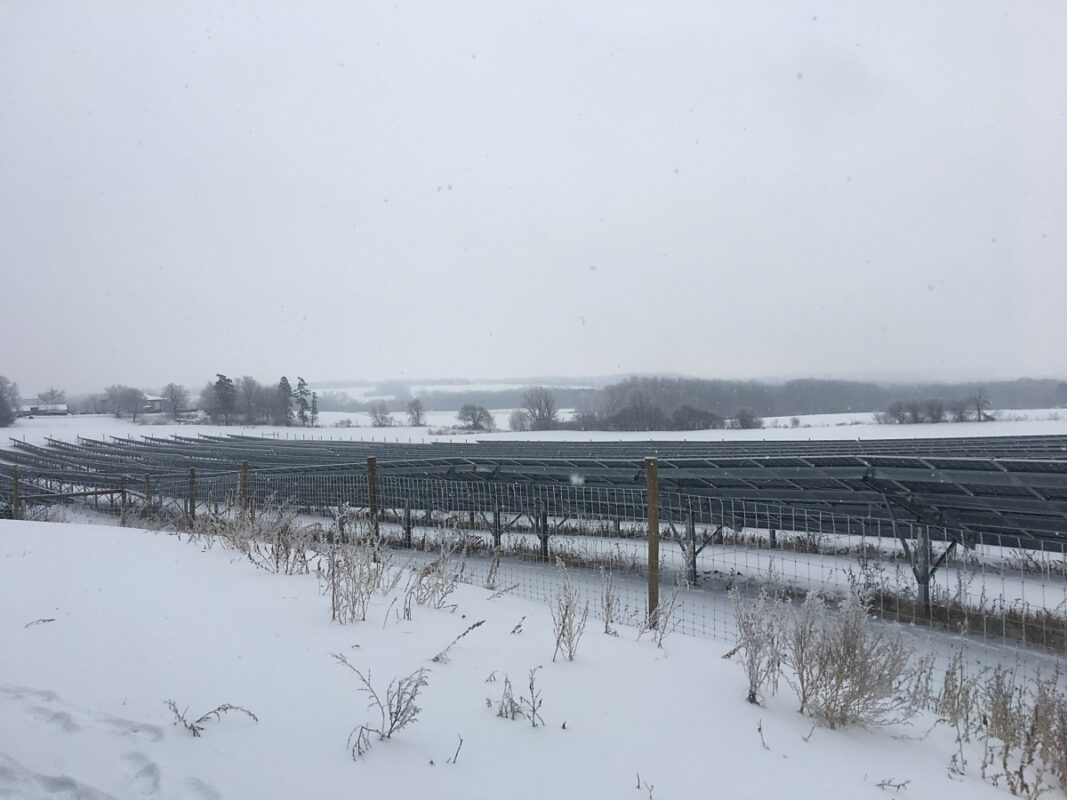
407	523
372	496
242	492
922	568
652	484
192	493
691	530
15	493
542	518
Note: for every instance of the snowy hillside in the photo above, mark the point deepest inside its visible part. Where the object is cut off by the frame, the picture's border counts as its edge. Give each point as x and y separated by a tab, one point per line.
101	626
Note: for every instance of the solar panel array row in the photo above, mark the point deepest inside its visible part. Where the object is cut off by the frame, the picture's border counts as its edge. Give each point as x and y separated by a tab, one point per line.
980	488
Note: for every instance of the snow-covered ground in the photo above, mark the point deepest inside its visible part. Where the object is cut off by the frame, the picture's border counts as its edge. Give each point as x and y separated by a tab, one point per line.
101	626
814	427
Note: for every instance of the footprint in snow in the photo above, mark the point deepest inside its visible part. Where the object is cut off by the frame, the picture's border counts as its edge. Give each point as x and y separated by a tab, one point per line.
143	772
198	790
16	780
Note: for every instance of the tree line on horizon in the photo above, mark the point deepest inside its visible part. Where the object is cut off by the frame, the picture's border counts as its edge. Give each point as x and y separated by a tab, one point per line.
224	401
632	404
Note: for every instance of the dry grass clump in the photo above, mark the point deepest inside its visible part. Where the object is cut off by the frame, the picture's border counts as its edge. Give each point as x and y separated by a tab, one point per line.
1019	723
354	574
568	621
431	583
846	672
272	538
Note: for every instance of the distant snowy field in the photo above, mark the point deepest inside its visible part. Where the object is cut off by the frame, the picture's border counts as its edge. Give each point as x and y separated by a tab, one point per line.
419	389
100	626
813	427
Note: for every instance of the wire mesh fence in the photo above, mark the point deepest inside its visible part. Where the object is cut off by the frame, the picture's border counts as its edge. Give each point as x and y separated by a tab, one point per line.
517	537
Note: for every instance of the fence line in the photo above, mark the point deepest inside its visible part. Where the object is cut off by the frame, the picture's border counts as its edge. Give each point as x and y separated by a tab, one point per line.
517	533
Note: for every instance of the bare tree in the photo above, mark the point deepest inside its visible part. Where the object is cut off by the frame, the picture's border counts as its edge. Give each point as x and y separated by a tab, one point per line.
540	404
52	396
131	401
897	412
379	414
959	409
114	398
934	409
519	420
176	397
746	418
206	402
253	400
476	417
416	413
915	412
979	401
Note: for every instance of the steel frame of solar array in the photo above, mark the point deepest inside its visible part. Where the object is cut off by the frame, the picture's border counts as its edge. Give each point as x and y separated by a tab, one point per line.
1007	490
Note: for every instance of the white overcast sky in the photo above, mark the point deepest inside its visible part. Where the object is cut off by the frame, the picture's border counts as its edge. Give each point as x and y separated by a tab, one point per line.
361	189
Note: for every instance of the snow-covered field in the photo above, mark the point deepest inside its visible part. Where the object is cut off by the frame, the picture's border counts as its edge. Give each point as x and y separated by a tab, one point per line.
101	626
371	392
819	426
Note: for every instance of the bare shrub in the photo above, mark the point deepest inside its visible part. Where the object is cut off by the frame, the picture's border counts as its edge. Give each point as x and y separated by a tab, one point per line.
863	676
397	711
759	632
802	641
196	726
567	622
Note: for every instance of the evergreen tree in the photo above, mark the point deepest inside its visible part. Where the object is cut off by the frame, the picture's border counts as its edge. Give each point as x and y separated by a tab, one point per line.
314	409
225	397
283	408
9	398
303	396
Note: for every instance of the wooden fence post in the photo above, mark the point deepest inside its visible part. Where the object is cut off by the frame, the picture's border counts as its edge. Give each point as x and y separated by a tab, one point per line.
192	493
15	493
122	501
652	484
147	494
